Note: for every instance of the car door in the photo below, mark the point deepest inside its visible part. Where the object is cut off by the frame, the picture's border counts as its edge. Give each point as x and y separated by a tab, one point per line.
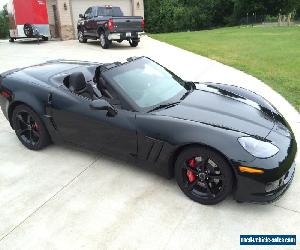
87	21
78	123
93	22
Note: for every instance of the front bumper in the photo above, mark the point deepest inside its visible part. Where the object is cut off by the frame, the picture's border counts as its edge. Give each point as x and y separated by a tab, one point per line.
264	192
278	172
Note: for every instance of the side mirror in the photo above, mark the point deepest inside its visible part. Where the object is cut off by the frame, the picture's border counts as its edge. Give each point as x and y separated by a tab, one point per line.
102	104
190	85
81	16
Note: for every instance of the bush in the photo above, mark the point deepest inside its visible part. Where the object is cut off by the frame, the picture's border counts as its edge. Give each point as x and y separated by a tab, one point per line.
4	29
182	15
271	19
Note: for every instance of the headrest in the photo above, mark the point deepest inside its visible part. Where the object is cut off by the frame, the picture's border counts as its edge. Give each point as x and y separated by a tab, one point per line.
77	81
101	83
97	74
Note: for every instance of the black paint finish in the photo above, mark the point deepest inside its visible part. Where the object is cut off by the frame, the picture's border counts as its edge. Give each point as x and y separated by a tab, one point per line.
213	115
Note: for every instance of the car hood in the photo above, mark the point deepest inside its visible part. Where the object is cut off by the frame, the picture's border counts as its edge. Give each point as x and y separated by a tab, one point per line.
227	107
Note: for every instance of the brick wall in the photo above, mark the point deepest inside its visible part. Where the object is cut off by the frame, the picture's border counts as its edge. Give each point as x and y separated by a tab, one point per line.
65	28
51	16
65	18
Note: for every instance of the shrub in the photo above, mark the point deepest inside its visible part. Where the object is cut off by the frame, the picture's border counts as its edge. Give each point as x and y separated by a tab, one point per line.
271	19
4	29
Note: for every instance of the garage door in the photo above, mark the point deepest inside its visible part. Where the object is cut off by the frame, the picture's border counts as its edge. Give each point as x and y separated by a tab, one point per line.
80	6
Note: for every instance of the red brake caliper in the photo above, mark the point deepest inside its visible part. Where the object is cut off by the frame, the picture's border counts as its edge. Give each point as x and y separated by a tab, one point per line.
35	126
191	176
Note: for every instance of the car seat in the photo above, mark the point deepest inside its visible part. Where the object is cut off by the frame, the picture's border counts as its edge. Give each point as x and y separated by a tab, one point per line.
79	86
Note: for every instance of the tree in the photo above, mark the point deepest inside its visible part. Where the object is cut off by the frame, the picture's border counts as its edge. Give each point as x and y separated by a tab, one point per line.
4	29
183	15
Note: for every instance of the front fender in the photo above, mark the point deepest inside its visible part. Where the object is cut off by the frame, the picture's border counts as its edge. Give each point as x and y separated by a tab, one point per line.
179	132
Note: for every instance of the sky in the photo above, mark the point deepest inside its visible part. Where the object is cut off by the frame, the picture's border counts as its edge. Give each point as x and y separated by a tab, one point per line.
2	2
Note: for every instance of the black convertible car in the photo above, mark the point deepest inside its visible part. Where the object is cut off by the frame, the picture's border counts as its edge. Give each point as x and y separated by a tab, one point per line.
216	139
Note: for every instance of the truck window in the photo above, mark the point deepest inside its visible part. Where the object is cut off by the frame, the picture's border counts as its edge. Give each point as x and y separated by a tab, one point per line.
88	13
109	11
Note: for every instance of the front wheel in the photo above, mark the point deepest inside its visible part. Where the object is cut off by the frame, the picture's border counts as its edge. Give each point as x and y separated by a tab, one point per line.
203	175
11	40
81	37
104	42
133	43
29	128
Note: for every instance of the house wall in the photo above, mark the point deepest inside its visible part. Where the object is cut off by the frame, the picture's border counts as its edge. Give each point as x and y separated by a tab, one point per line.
51	20
138	7
65	19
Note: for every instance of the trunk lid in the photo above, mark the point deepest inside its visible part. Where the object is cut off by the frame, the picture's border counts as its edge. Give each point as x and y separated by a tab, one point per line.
127	24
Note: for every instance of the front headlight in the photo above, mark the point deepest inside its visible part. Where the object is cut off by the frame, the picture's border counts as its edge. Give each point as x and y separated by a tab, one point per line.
258	148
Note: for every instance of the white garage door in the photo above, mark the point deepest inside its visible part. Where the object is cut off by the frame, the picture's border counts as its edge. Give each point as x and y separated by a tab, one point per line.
80	6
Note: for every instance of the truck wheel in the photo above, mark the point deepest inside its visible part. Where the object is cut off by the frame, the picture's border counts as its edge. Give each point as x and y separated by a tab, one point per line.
104	42
81	37
45	38
133	43
11	40
28	30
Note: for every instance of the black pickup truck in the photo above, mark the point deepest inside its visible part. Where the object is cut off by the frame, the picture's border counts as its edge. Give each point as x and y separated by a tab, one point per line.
108	24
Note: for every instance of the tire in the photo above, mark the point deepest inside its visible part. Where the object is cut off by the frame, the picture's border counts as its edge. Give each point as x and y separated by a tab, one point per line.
28	30
81	37
133	43
104	42
44	38
203	175
29	128
11	40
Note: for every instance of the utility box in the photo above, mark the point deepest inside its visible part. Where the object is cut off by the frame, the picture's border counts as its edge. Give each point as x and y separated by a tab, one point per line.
28	19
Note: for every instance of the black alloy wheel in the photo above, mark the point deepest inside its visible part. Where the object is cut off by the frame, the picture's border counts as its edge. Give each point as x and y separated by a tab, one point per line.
203	175
29	128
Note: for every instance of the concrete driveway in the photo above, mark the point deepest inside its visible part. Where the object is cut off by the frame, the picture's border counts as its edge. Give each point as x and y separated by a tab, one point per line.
70	198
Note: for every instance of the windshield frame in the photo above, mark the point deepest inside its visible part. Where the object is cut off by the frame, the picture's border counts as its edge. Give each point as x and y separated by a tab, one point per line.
110	73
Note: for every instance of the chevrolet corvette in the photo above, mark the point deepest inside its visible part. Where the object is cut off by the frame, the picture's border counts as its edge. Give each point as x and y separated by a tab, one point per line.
215	139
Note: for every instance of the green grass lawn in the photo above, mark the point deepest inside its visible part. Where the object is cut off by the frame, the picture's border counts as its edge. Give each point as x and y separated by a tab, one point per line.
272	54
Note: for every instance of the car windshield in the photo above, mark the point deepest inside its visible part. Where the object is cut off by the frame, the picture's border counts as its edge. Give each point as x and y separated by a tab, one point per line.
147	83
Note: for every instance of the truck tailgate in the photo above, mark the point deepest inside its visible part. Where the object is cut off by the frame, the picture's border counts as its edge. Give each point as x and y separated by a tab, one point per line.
127	23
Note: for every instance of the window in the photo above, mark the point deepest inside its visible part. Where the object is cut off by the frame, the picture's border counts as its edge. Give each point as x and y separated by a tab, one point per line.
88	13
147	83
109	11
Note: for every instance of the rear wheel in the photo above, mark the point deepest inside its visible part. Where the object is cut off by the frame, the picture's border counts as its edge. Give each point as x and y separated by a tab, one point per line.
28	30
29	128
104	42
11	40
203	175
133	43
44	38
81	37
